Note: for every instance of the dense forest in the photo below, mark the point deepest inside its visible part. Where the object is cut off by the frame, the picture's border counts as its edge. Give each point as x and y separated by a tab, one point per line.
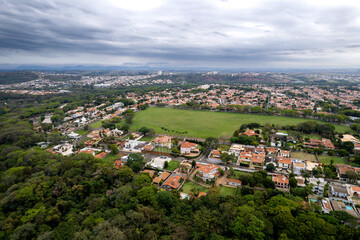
17	77
46	196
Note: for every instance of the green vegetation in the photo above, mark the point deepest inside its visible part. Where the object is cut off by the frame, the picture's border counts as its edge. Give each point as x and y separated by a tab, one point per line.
173	165
17	77
188	186
110	158
162	149
326	159
147	138
226	191
97	124
205	124
303	156
82	132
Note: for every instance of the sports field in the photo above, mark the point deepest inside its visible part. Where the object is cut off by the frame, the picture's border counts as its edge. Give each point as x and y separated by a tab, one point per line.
203	124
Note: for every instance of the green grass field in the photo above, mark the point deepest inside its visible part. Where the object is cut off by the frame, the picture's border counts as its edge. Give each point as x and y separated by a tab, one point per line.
186	188
96	124
203	124
81	132
147	138
237	174
226	191
162	149
173	165
326	159
303	156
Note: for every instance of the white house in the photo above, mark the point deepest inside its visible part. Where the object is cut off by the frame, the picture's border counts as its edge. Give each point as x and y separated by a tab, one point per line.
159	162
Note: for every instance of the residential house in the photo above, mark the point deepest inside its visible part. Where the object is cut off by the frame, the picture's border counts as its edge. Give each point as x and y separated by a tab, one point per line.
189	148
339	190
159	162
185	166
119	164
173	182
284	162
281	181
236	149
163	176
207	172
250	133
327	144
258	159
354	191
233	182
150	172
349	138
284	153
298	166
318	185
163	141
101	155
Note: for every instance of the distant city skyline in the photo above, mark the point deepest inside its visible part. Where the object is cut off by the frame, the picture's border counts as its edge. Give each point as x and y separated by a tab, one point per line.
181	34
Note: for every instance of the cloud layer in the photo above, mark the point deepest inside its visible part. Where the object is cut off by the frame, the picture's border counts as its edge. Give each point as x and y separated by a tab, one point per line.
202	33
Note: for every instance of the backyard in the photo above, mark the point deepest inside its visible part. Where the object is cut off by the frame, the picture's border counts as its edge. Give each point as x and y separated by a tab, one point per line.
173	165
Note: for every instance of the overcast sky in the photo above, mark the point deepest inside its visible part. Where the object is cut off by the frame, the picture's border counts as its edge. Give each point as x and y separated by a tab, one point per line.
199	33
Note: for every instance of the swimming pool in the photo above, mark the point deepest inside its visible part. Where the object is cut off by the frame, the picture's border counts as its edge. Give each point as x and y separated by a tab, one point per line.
348	208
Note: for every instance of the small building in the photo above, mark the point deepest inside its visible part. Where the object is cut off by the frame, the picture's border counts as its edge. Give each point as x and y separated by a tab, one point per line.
201	194
281	181
284	153
185	166
119	164
173	182
163	176
326	205
250	133
233	182
150	172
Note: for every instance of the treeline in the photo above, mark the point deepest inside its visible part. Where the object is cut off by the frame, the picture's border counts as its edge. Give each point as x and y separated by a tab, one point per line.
47	196
17	77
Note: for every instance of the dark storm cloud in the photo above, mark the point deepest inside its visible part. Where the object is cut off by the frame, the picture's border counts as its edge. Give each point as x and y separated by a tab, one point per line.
197	33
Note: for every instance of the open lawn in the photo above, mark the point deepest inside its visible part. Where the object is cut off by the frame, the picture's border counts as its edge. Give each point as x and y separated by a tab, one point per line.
96	124
147	138
203	124
82	141
81	132
326	159
111	157
303	156
186	188
162	149
226	191
237	174
173	165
